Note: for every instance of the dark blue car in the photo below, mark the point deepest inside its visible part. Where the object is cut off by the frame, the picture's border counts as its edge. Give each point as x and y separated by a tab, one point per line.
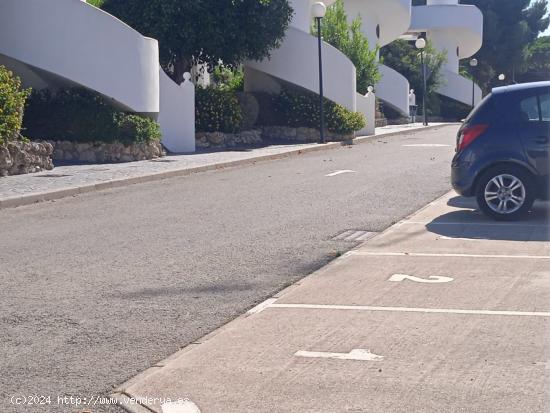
503	151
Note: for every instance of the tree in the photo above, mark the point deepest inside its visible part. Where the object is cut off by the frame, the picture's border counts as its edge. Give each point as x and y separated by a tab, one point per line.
209	31
349	39
510	26
538	61
405	58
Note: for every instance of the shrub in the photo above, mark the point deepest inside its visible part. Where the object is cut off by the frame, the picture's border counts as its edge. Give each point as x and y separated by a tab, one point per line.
79	115
12	103
301	109
217	111
134	128
228	79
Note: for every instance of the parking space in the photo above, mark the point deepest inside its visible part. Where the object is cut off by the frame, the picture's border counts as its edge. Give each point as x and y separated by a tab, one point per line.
417	319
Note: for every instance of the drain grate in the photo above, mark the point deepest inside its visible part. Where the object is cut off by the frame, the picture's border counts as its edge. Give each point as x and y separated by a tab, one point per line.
354	235
51	176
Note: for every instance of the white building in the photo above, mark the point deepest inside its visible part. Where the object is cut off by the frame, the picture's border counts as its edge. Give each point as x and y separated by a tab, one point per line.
66	43
457	30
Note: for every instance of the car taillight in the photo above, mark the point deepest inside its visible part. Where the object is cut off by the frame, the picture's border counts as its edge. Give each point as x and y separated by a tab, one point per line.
468	135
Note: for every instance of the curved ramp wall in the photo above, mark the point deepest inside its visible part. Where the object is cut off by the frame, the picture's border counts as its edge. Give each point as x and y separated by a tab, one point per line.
84	45
457	30
383	21
296	62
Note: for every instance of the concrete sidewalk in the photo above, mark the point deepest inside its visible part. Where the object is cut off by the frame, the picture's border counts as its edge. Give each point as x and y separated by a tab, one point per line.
72	180
446	311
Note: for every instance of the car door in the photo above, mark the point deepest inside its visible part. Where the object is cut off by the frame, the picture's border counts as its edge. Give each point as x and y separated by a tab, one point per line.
534	131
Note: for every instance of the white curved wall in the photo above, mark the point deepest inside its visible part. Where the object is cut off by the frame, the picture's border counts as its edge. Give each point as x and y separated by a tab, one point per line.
393	89
457	30
84	45
296	62
392	16
383	21
459	88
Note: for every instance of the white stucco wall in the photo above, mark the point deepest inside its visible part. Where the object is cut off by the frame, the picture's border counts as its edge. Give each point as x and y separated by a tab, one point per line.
296	62
383	21
366	105
177	114
393	89
457	30
85	45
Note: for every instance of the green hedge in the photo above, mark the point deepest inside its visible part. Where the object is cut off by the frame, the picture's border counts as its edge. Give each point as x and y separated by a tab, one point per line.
297	108
12	103
79	115
217	111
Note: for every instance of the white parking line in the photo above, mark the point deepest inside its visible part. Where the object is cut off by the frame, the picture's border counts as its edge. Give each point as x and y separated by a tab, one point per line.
477	224
356	354
422	254
262	306
427	145
410	310
344	171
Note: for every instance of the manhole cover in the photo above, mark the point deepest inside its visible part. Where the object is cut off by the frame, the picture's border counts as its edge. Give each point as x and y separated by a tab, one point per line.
354	235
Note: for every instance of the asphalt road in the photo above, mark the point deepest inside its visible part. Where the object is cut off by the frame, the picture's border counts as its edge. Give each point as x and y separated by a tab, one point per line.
98	287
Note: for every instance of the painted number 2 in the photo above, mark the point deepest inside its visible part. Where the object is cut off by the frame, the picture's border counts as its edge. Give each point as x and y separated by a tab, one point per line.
432	279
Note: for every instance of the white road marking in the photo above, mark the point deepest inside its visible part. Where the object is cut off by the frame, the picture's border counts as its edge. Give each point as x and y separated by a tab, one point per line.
344	171
183	406
356	354
422	254
427	145
262	306
446	238
411	310
477	224
432	279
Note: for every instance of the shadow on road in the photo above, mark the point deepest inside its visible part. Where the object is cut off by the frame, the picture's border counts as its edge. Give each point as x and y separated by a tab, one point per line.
470	223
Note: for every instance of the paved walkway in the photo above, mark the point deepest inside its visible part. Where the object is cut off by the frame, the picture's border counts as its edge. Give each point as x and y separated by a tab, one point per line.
446	311
73	179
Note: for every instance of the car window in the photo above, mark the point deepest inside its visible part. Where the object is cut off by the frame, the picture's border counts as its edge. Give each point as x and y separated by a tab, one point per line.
529	109
545	107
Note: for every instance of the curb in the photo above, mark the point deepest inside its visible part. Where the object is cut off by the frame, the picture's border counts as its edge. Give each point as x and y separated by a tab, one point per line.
122	394
29	199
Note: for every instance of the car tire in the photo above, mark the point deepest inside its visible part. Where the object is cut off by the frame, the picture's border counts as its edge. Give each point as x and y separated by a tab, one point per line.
505	193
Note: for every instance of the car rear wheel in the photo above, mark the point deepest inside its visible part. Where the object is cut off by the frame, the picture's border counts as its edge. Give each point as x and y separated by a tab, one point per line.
505	193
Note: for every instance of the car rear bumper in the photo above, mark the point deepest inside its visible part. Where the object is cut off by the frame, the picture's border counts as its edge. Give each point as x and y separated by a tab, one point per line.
462	179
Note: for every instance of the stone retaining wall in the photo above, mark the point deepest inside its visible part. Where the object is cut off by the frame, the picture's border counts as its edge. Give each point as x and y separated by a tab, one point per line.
302	135
101	152
220	140
25	157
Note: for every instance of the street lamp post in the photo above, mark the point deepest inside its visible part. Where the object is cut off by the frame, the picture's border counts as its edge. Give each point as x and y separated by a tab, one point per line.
421	45
473	64
318	10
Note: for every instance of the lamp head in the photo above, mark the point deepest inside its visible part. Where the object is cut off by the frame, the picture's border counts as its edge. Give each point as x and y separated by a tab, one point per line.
501	77
370	89
318	10
420	43
473	62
